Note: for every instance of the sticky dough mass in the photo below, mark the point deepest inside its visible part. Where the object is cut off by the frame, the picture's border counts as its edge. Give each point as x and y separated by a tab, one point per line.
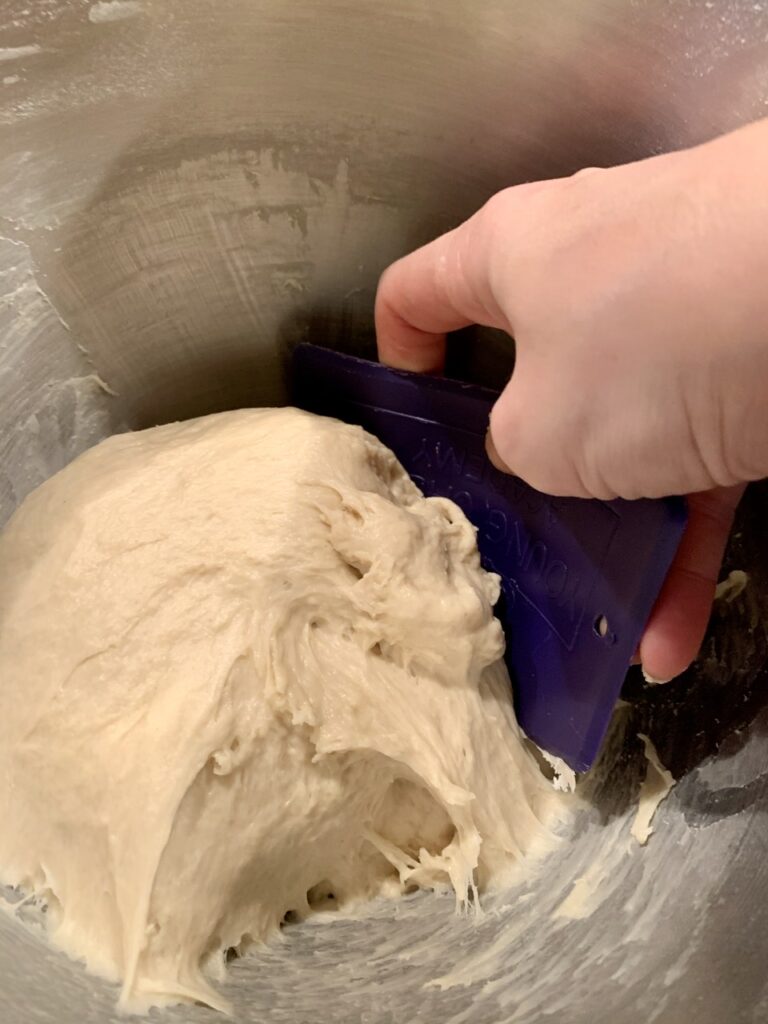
247	669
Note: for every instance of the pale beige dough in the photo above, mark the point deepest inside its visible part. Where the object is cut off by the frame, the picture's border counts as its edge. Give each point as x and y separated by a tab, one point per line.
656	787
245	664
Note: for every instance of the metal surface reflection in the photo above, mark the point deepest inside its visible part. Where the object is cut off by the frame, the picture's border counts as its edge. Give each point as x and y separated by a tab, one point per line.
187	188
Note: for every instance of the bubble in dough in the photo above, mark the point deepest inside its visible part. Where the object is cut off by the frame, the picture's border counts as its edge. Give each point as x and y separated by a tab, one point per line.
246	670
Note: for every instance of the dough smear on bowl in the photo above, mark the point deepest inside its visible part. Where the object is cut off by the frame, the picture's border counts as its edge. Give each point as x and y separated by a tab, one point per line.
247	669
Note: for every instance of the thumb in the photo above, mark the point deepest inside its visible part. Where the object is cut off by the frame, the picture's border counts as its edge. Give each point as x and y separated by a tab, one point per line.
528	430
679	619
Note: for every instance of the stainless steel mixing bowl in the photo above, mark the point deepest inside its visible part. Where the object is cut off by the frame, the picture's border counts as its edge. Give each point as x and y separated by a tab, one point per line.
187	187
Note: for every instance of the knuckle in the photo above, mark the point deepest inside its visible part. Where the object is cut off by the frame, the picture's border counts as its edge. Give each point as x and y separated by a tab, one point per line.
586	172
717	506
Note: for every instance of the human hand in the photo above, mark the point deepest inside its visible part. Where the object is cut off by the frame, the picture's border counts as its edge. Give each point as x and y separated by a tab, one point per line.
636	297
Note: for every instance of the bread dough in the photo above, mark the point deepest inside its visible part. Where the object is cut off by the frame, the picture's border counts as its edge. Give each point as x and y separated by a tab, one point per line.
732	586
656	787
246	670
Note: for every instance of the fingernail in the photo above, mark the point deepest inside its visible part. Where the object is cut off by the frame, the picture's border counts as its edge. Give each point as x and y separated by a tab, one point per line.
493	455
653	681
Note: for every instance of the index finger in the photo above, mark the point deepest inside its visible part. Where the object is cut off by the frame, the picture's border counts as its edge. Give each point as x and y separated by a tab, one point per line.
439	288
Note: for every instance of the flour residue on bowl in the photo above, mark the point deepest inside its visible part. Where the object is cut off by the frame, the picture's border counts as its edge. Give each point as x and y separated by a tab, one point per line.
104	11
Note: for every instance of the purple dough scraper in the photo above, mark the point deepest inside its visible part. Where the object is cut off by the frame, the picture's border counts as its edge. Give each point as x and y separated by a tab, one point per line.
579	577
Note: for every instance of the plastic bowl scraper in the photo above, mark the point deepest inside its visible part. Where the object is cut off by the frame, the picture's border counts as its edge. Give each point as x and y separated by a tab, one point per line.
579	577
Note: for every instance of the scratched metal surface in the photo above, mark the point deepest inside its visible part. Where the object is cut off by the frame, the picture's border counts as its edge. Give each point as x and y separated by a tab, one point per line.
186	189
